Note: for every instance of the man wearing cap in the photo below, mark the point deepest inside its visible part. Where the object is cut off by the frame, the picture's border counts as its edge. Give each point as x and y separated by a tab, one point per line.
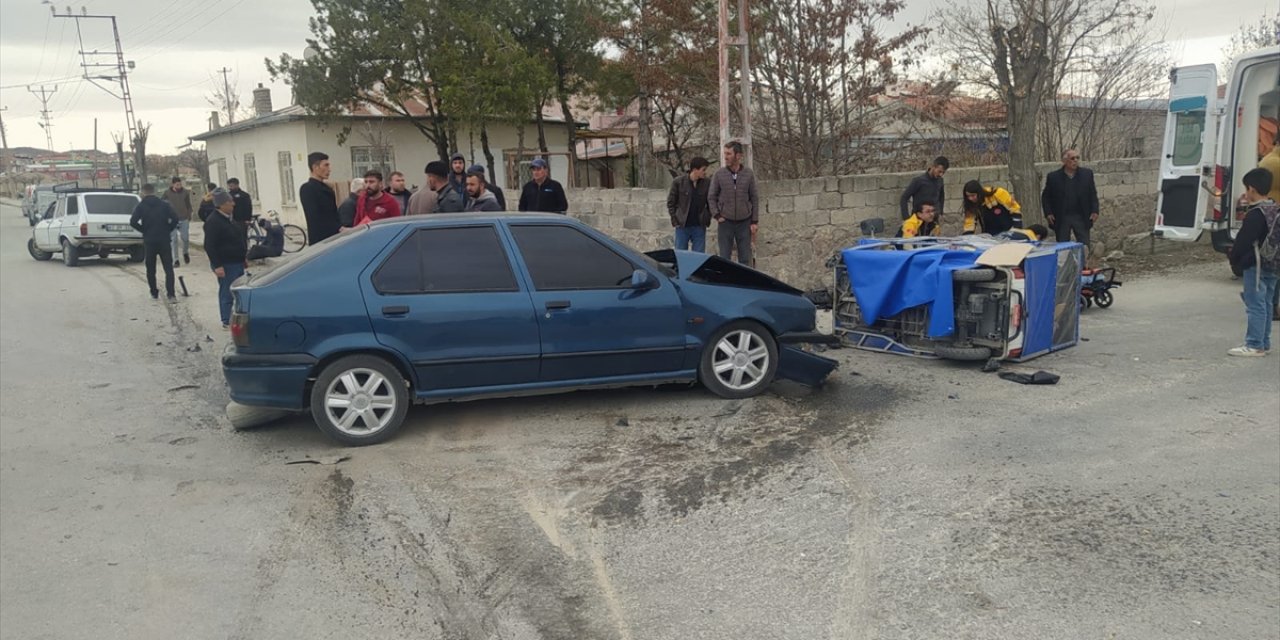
224	243
490	187
438	196
458	175
542	193
244	204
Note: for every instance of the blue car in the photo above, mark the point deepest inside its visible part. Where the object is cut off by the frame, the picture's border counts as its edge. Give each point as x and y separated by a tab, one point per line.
465	306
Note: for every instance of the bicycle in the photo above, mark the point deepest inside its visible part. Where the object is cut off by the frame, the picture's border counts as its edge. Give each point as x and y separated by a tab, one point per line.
295	237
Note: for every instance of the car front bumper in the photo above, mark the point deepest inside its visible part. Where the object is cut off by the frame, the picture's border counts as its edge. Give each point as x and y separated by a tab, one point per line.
268	380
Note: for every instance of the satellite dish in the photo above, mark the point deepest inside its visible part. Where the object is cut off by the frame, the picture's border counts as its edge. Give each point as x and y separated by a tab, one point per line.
309	53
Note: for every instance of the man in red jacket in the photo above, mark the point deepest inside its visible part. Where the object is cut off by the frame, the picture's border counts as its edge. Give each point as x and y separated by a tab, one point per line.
374	203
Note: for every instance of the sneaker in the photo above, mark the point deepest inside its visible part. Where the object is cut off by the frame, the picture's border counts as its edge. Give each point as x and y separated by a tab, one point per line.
172	298
1246	352
176	264
155	295
186	257
225	327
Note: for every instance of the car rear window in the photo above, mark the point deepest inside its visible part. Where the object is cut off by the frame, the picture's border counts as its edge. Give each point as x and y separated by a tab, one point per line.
309	253
110	204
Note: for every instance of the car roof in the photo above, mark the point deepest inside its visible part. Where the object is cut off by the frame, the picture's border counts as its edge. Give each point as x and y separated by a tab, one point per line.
437	219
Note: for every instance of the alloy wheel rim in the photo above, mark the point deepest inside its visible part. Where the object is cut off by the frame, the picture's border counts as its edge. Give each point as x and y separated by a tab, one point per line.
740	360
359	402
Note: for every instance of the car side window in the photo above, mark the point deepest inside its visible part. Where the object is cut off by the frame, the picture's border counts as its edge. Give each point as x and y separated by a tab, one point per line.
73	206
447	260
560	257
51	211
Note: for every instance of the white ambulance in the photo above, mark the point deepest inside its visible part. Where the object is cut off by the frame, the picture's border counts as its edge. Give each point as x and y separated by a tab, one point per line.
1210	142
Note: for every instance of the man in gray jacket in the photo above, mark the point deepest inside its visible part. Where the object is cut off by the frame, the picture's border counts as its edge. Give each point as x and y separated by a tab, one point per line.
735	205
180	199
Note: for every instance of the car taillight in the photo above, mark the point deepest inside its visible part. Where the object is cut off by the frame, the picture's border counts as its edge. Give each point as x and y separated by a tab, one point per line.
84	229
240	329
1219	187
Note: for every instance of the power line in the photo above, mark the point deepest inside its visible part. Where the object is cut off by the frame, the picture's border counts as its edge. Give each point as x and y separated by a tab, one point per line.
44	46
66	80
194	18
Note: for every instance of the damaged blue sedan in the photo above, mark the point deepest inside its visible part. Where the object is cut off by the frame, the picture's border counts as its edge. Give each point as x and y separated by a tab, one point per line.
459	307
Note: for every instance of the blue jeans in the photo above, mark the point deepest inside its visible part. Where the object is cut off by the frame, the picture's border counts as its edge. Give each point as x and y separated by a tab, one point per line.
232	272
181	238
696	236
1257	295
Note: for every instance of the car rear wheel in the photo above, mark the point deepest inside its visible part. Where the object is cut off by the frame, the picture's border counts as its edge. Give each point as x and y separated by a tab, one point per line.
359	400
36	252
70	255
739	361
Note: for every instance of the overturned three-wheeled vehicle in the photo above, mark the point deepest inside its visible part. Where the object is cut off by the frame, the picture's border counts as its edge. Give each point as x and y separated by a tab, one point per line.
966	298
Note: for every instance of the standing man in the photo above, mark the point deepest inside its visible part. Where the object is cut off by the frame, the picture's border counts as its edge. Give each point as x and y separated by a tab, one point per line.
925	187
206	202
155	220
319	204
1070	200
735	205
225	245
374	203
180	200
458	174
478	197
439	196
489	186
397	189
1255	264
542	193
687	206
244	205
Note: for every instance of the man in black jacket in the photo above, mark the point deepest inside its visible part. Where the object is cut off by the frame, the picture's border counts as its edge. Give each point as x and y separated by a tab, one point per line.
156	220
244	204
927	187
1070	199
319	204
687	206
224	242
1259	279
542	193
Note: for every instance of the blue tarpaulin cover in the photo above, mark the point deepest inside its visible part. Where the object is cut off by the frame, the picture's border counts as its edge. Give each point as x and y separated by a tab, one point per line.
886	283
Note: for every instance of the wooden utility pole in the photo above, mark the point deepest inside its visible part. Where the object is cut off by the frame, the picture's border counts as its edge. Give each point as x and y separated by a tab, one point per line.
742	41
226	95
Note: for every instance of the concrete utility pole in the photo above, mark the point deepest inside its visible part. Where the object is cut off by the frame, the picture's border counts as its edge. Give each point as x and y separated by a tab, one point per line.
95	71
226	95
742	41
44	95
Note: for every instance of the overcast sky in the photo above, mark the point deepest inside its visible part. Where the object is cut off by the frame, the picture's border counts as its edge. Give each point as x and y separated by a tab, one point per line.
179	46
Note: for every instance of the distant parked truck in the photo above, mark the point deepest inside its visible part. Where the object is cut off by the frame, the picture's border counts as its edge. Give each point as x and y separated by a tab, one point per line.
1210	142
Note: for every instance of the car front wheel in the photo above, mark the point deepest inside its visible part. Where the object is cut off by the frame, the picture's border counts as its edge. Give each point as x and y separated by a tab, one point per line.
37	252
739	361
359	400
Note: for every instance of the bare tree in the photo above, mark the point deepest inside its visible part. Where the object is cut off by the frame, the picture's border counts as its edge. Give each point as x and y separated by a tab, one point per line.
374	133
225	98
1022	51
1265	32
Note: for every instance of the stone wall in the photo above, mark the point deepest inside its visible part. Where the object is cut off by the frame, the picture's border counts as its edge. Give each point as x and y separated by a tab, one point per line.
802	222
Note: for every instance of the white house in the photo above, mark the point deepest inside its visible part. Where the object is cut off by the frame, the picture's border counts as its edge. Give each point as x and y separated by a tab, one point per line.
268	153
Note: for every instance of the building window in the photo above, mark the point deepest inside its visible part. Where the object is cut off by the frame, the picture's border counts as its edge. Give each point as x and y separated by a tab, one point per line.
364	159
251	176
221	164
284	161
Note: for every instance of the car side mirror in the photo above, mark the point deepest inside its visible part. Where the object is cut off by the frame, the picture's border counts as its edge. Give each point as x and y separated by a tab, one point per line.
642	280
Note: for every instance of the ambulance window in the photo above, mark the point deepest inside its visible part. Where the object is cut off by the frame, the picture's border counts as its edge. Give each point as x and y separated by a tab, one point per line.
1187	147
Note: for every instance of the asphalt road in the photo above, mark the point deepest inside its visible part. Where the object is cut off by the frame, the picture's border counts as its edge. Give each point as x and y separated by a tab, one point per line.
1138	498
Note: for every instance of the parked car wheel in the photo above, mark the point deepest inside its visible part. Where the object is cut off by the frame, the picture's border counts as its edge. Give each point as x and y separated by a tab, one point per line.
70	255
973	275
36	252
359	400
739	361
952	352
136	254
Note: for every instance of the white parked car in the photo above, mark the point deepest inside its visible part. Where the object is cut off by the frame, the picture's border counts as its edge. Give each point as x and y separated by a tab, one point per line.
85	223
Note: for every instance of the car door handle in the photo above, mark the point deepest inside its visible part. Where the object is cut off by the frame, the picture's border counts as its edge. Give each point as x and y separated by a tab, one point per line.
398	310
557	304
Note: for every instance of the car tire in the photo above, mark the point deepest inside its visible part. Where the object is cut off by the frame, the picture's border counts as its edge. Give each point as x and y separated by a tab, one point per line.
136	254
70	255
951	352
372	390
36	252
736	352
973	275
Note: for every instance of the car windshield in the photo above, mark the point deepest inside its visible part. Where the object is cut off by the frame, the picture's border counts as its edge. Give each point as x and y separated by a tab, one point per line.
310	253
110	203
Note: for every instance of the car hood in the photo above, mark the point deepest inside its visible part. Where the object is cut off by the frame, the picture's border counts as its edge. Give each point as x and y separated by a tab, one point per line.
706	268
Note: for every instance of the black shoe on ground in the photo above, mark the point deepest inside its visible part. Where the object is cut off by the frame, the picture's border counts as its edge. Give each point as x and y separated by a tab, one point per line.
172	298
155	295
186	257
176	264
